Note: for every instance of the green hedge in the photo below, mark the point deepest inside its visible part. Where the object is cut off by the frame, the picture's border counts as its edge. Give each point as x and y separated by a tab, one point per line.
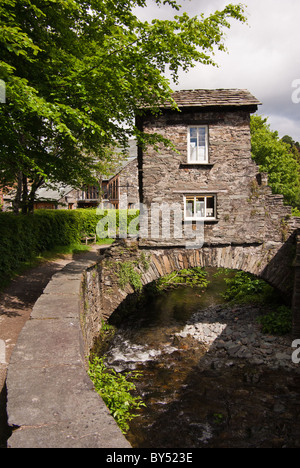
24	237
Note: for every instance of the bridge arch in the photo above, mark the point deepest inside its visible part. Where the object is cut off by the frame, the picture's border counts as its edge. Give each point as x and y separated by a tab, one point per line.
272	262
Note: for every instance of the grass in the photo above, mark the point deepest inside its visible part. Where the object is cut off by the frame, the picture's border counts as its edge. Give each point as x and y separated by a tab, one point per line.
60	251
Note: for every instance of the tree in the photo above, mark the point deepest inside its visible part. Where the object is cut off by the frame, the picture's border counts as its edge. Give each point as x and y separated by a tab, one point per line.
76	72
294	146
275	157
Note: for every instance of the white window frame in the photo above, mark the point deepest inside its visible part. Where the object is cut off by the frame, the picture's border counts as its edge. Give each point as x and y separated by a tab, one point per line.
206	212
205	159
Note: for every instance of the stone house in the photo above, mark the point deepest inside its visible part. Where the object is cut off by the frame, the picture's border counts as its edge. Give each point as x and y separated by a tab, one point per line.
210	175
6	198
64	197
122	189
88	197
53	198
119	190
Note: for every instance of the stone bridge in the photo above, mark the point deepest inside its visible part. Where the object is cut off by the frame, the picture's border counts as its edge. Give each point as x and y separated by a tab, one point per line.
51	401
276	263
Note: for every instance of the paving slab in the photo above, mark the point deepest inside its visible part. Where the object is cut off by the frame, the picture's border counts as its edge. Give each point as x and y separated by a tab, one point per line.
47	343
60	285
51	306
60	409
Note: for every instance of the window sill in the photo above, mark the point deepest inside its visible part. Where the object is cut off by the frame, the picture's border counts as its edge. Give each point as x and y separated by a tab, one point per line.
195	165
204	220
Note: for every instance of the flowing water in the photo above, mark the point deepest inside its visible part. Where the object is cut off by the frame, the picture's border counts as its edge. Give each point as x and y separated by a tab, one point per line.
193	399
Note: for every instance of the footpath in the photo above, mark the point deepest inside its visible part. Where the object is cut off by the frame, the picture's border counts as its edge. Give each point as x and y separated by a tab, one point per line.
16	305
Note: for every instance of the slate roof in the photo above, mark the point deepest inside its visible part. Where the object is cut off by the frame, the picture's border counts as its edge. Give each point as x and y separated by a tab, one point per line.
213	98
46	193
132	154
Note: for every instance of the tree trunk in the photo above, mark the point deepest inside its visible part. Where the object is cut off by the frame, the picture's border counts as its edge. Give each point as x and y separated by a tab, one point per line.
31	198
24	202
17	201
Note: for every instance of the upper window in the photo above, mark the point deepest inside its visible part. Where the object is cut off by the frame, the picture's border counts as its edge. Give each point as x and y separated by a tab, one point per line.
198	145
200	207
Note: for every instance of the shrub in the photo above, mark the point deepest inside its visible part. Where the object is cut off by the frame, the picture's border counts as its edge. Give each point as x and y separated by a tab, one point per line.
115	390
192	277
24	237
244	287
277	322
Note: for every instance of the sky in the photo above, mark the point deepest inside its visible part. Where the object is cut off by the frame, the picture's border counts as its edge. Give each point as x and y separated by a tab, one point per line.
263	56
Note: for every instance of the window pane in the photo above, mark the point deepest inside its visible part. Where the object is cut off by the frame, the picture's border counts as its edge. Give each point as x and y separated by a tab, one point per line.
201	153
200	207
210	207
193	152
193	133
202	144
189	207
201	133
193	144
198	144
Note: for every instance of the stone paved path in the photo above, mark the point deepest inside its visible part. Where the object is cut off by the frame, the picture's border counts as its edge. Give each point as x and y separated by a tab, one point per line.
16	304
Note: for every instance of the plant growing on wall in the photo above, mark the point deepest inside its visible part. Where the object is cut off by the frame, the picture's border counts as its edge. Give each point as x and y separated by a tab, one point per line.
129	272
243	287
192	277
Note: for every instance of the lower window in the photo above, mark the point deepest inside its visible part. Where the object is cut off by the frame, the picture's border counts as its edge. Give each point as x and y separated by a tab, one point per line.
200	207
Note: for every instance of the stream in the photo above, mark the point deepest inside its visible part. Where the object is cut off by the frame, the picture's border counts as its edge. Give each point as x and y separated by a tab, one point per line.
210	378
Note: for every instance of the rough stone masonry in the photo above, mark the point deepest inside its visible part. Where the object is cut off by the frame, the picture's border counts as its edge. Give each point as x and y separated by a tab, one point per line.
246	210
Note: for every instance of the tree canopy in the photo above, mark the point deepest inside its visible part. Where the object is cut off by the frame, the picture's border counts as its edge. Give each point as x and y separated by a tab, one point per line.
76	72
278	157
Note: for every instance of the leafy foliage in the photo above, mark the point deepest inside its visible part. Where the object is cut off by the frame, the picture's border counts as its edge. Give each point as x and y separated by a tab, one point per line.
115	390
192	277
244	287
128	272
278	159
277	322
76	74
23	237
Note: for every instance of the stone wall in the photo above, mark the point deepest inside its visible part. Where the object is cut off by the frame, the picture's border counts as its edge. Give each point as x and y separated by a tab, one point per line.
129	190
91	316
51	400
247	212
296	296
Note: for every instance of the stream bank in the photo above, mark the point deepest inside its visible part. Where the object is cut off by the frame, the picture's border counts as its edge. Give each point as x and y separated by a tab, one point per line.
211	378
234	389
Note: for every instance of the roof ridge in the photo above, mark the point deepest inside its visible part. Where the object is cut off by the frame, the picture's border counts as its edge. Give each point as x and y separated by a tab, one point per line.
207	97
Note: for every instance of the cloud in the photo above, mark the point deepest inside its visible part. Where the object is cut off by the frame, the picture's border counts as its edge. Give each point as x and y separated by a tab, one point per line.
263	56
